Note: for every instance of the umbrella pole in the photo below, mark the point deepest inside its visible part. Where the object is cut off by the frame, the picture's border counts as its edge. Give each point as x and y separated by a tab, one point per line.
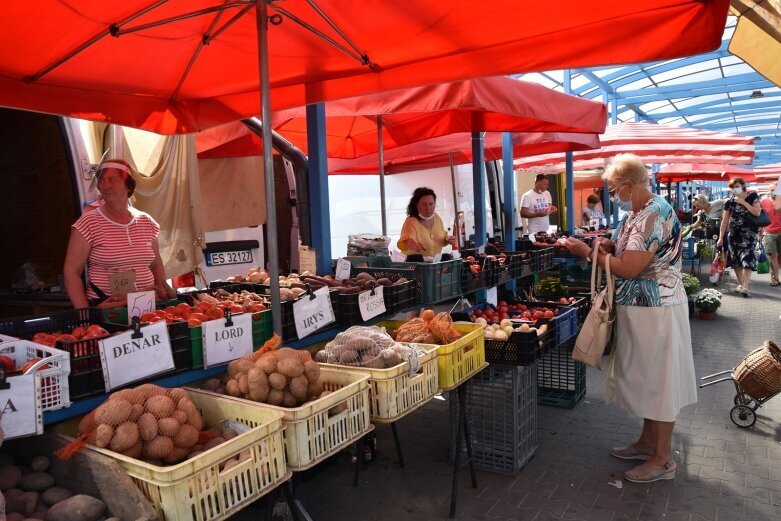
381	156
457	230
268	167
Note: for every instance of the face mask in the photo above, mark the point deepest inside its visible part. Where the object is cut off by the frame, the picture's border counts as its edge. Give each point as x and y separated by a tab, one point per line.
426	218
737	190
624	205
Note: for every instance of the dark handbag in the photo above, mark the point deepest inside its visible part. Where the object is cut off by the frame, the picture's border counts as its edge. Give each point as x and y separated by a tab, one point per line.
763	219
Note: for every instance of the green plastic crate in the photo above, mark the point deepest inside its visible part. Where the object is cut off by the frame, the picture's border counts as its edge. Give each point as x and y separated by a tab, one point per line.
119	315
261	331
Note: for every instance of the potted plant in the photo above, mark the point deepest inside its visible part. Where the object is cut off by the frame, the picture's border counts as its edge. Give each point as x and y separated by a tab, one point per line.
691	285
707	302
703	249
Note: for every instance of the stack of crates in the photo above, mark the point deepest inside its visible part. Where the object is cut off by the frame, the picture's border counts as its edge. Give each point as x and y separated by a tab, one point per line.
501	410
561	381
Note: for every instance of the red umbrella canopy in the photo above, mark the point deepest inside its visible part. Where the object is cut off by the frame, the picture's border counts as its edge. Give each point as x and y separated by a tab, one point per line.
656	144
768	171
185	65
682	172
436	152
482	104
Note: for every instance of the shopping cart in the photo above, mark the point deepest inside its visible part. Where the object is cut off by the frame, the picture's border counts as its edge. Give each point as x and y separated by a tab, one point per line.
757	379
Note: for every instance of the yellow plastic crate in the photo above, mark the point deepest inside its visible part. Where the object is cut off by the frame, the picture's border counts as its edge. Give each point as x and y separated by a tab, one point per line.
196	489
457	361
311	434
393	392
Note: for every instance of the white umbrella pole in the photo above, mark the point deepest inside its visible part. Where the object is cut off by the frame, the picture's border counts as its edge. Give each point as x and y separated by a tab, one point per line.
381	156
268	168
457	230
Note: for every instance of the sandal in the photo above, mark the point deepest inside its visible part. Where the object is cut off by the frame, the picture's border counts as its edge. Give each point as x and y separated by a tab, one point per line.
774	282
744	292
648	472
631	452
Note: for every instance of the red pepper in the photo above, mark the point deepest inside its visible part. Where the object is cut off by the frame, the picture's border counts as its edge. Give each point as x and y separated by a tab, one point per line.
7	363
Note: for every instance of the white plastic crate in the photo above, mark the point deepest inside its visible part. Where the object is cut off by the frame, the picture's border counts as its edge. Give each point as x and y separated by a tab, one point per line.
502	416
395	393
53	369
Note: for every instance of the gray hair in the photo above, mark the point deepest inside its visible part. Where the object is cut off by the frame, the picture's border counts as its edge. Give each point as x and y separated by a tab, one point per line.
626	168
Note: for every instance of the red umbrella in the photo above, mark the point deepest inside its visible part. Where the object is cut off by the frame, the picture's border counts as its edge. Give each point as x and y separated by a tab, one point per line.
768	171
656	144
180	66
682	172
498	104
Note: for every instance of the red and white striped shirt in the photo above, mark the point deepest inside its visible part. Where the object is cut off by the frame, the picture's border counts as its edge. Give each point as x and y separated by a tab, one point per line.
115	248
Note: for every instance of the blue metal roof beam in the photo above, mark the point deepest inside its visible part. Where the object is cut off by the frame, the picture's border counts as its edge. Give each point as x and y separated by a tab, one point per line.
721	115
609	90
742	123
734	82
726	105
684	92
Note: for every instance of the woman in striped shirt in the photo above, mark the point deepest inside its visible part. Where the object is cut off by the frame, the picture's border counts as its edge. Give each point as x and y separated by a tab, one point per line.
112	241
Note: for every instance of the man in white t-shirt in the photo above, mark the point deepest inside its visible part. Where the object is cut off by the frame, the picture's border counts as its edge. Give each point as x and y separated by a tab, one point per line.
536	206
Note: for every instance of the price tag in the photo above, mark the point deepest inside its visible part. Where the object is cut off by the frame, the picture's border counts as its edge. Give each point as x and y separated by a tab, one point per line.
122	283
223	342
593	223
491	296
139	303
21	407
132	356
343	267
311	314
531	237
371	303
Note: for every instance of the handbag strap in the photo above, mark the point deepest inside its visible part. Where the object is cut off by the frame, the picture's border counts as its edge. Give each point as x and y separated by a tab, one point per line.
596	273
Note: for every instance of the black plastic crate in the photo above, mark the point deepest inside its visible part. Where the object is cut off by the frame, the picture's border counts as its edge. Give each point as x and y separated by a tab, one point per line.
520	348
86	376
349	313
179	334
582	302
561	381
398	297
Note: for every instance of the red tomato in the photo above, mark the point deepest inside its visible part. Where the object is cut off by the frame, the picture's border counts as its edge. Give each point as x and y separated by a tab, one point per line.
183	307
214	313
537	314
526	315
62	337
502	303
523	307
79	332
97	330
171	310
257	307
203	306
7	363
193	322
548	314
198	316
148	317
235	308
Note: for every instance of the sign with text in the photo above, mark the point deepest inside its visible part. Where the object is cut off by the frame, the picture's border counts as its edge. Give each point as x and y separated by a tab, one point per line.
223	343
21	407
122	283
491	296
343	268
311	314
126	359
371	303
139	303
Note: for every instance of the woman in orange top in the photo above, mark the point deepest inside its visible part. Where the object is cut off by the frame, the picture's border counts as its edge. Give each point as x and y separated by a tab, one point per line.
423	232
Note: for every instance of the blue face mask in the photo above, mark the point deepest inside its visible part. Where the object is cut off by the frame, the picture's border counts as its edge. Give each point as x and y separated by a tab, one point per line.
624	205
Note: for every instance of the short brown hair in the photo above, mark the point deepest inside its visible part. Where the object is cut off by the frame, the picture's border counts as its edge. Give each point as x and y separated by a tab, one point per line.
736	181
593	199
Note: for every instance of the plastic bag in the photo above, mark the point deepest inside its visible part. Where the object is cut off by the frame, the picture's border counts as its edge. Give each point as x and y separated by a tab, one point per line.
763	263
25	276
716	268
367	245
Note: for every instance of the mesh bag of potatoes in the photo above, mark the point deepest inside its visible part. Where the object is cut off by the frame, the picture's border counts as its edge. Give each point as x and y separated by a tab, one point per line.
429	328
362	346
148	422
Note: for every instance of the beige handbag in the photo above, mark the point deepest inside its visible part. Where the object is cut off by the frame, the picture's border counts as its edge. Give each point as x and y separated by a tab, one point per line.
597	330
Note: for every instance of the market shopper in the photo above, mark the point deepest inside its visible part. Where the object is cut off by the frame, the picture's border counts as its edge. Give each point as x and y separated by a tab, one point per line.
423	232
537	205
741	233
706	211
771	235
117	243
654	366
592	211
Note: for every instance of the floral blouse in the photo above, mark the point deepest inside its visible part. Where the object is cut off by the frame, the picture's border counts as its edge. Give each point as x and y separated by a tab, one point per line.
654	229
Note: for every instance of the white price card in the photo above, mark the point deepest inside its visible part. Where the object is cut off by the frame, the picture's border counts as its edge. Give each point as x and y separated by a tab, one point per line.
139	303
307	259
311	314
343	267
130	356
371	303
225	340
491	297
21	406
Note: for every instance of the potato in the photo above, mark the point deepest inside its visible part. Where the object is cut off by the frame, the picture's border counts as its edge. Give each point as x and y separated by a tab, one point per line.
135	451
229	433
177	455
30	502
15	516
233	388
103	436
147	426
87	423
160	406
321	356
314	389
14	500
229	464
218	440
179	416
36	481
375	362
77	507
243	384
291	367
125	436
113	412
186	437
168	426
149	390
177	394
211	384
390	358
277	381
275	397
347	356
131	395
194	418
298	388
233	369
158	448
10	476
256	378
55	495
312	371
260	393
288	400
267	362
136	411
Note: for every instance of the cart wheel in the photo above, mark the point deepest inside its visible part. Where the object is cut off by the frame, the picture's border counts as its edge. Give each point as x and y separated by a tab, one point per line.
744	399
743	416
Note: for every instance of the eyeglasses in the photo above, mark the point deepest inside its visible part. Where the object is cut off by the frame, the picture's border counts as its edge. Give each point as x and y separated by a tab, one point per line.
613	191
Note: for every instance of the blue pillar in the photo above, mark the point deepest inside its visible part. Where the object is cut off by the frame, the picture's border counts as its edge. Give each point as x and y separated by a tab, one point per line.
508	209
318	186
679	205
569	189
479	189
605	188
614	121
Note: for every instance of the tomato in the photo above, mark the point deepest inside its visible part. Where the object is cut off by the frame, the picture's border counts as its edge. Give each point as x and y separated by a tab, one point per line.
526	315
502	303
548	314
7	363
214	313
193	322
148	318
257	307
537	314
170	310
198	316
524	307
478	313
203	306
183	307
79	331
235	308
474	268
62	337
97	330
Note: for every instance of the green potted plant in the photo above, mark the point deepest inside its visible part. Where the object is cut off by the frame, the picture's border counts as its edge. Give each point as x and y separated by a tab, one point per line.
707	302
691	285
703	249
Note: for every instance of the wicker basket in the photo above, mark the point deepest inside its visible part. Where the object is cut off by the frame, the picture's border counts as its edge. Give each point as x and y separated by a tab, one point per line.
759	373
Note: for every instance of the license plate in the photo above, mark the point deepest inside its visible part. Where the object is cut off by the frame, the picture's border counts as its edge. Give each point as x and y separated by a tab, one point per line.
229	257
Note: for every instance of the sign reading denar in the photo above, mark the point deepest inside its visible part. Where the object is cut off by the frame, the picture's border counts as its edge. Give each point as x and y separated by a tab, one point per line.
126	359
223	342
371	303
312	314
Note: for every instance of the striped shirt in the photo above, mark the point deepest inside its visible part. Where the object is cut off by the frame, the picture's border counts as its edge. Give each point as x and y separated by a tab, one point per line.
115	248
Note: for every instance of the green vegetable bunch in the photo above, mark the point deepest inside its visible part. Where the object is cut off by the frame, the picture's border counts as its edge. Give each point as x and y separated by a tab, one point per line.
550	286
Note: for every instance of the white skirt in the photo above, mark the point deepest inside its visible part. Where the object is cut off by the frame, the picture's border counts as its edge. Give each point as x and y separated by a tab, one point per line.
654	371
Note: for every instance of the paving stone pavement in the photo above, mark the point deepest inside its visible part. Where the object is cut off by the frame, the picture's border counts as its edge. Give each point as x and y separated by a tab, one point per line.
725	473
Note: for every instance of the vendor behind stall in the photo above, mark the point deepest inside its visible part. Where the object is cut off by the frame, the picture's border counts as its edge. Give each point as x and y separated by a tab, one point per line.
537	205
117	244
423	232
592	211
